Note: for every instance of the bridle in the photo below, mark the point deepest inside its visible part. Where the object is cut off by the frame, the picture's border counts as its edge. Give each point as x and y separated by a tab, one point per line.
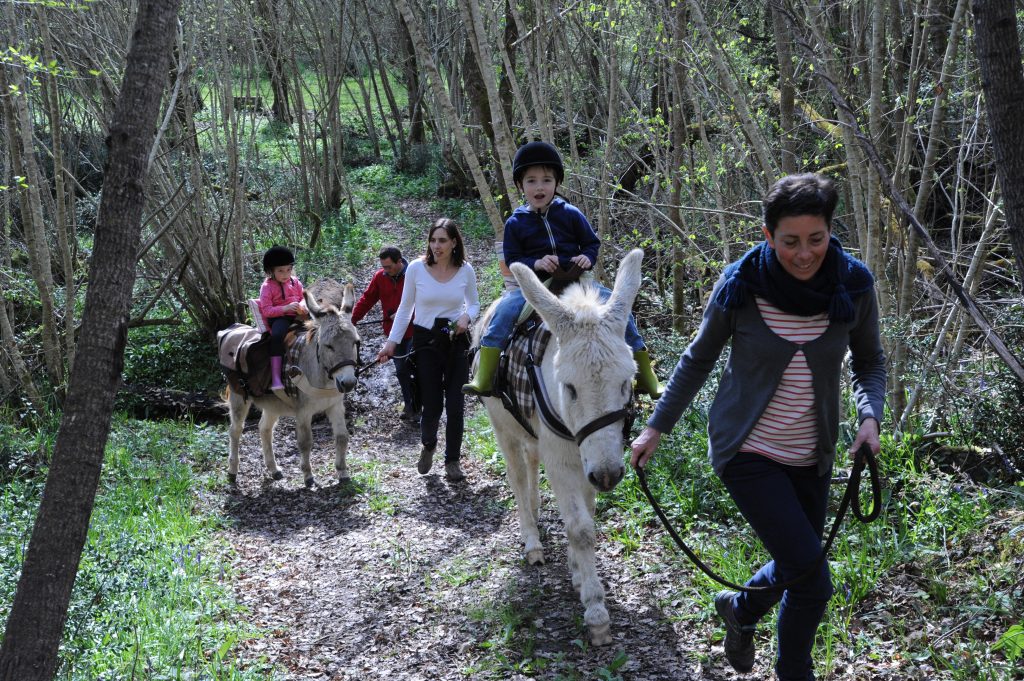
554	422
340	365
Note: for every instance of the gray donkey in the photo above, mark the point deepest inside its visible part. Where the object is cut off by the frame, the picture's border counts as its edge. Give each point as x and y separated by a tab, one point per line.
323	368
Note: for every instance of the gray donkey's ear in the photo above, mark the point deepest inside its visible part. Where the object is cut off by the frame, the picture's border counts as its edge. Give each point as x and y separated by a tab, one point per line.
544	301
311	304
349	300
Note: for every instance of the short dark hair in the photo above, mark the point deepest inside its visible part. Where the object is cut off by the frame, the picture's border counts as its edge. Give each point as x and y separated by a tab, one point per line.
458	251
802	194
391	253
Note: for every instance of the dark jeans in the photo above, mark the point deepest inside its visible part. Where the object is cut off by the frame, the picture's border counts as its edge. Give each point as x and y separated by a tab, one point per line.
278	330
403	371
785	505
442	367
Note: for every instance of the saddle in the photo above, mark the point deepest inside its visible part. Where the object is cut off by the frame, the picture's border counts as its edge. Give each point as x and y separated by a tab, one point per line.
244	356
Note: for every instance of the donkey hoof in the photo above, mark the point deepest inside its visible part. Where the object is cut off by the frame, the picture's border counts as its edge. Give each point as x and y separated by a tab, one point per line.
601	635
343	476
232	479
277	475
535	557
309	483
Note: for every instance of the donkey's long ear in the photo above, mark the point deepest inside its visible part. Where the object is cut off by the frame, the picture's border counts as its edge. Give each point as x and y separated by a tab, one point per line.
311	304
543	300
627	283
349	299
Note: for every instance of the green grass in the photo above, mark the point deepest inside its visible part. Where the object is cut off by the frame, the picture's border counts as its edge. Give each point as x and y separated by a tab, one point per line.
152	597
932	534
934	581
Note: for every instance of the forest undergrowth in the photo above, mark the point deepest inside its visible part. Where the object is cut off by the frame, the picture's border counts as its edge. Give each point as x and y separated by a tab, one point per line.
931	590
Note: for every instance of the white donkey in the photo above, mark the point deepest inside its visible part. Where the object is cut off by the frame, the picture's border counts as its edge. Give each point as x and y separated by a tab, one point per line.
588	370
324	371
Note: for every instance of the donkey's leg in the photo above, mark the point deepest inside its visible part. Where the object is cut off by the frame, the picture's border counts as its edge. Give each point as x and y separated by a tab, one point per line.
304	436
520	452
267	423
532	453
336	415
238	409
566	477
522	477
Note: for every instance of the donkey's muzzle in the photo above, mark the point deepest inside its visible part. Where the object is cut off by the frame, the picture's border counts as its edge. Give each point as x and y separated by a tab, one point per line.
605	480
345	380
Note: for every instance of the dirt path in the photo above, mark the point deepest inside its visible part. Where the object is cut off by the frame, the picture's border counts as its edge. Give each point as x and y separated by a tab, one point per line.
402	576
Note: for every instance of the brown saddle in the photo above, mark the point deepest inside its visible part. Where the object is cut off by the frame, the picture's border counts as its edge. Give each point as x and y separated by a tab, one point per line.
244	355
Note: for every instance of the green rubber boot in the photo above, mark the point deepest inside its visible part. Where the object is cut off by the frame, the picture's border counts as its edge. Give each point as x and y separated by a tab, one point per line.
483	380
646	381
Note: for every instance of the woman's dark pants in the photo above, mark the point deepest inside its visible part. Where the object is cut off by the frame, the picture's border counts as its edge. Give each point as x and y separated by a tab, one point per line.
785	505
442	367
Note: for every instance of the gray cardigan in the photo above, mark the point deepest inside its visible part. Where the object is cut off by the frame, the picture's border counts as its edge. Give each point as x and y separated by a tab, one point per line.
755	365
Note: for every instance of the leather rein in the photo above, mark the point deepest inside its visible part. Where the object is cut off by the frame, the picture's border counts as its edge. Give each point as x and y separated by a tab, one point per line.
864	457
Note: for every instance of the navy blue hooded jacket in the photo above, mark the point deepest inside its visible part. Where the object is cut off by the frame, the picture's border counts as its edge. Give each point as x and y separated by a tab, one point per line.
562	230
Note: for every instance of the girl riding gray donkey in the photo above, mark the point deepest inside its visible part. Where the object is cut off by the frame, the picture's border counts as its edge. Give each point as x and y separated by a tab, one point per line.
551	236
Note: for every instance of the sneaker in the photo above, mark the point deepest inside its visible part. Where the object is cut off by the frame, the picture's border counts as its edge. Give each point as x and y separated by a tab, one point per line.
739	638
426	459
453	471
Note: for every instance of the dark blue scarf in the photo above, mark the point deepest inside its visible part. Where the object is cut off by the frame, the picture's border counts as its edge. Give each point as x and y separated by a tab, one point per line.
839	281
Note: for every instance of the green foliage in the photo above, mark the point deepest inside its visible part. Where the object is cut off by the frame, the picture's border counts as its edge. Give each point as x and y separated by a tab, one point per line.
383	179
469	215
1012	643
170	357
151	599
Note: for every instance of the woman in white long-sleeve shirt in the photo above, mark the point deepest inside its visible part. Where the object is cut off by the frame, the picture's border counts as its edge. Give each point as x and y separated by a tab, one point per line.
440	287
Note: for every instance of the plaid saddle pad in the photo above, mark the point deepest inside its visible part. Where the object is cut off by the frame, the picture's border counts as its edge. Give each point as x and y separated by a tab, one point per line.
513	383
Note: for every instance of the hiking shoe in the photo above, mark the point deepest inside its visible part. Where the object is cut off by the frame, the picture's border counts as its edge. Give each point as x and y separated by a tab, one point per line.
453	471
739	638
426	459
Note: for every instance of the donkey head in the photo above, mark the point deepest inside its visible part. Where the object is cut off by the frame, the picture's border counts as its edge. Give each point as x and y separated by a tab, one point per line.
336	339
593	368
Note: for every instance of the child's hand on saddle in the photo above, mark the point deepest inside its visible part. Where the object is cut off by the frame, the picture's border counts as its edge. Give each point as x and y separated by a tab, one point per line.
581	260
549	263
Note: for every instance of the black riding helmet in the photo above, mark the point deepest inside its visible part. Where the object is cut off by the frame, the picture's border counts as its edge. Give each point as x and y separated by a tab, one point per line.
537	154
277	256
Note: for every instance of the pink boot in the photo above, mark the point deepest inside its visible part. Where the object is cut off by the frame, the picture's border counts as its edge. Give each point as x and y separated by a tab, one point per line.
275	373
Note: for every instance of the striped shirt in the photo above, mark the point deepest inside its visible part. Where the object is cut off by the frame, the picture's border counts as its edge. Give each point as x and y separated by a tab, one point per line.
787	430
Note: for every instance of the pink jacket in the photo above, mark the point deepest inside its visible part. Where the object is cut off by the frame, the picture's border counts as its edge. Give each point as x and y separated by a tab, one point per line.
275	295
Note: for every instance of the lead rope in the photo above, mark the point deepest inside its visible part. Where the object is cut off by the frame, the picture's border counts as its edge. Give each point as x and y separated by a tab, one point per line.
863	457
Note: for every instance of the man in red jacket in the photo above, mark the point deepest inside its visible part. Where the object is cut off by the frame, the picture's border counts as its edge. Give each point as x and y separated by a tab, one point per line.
386	287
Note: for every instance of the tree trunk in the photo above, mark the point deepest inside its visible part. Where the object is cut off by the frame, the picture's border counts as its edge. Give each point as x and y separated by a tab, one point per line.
426	62
62	216
783	43
998	53
277	66
23	161
33	633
